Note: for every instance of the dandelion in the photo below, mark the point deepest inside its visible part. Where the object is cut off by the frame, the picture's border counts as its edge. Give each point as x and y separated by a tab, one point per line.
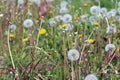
67	18
111	30
42	31
50	12
91	77
52	22
11	35
12	27
93	19
25	40
20	2
69	27
118	31
63	10
90	41
28	23
73	54
118	4
95	10
1	6
85	4
30	3
109	47
58	18
64	25
63	4
83	18
96	24
111	13
80	35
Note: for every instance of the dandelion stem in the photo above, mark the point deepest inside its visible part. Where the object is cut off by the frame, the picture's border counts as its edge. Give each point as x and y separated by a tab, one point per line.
10	53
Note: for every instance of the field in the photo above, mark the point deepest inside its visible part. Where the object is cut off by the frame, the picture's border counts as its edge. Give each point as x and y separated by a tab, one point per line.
59	39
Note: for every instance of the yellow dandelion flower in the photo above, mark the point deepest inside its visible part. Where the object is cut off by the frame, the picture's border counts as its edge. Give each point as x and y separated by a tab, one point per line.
118	31
50	12
75	17
80	35
64	25
73	43
42	31
30	3
118	49
40	19
25	40
11	36
96	24
85	5
1	6
90	41
87	15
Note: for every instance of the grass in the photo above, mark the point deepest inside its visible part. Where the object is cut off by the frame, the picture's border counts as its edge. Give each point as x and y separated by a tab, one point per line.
44	57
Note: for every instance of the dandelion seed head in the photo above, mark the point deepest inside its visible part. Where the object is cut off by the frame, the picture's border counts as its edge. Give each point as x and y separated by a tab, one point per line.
28	23
109	47
67	18
91	77
73	54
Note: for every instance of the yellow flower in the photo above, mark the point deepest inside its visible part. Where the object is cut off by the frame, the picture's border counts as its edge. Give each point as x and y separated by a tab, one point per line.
42	31
40	19
118	31
80	35
75	17
1	6
90	41
96	24
11	36
118	49
73	43
50	12
30	3
25	40
64	25
87	15
85	4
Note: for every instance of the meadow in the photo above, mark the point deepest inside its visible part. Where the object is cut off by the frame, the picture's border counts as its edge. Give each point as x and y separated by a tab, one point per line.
59	39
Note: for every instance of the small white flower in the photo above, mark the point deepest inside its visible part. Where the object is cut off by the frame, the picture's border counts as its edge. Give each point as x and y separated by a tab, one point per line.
95	10
83	18
73	55
109	47
63	10
12	27
20	2
52	22
69	27
63	4
67	18
58	18
91	77
1	15
28	23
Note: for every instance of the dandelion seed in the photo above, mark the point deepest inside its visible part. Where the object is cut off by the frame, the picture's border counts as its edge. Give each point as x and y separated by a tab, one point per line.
109	47
73	54
28	23
42	31
58	18
83	18
63	4
91	77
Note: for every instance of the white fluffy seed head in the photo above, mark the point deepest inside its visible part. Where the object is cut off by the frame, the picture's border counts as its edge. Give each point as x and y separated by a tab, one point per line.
63	10
73	54
109	47
95	10
20	2
28	23
91	77
12	27
67	18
